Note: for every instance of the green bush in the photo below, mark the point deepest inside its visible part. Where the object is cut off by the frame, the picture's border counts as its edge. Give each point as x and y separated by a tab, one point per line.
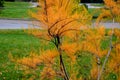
10	0
1	3
86	6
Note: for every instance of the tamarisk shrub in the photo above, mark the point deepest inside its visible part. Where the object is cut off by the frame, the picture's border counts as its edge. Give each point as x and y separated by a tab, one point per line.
61	21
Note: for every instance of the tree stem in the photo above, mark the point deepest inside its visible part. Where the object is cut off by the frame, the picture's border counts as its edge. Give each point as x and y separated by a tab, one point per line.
62	66
110	49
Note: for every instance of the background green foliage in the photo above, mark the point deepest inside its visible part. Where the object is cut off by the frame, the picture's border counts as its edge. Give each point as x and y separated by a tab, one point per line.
1	3
18	10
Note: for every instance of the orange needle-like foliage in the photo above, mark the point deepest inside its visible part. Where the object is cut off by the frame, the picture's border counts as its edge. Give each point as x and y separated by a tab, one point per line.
112	9
33	61
60	16
92	43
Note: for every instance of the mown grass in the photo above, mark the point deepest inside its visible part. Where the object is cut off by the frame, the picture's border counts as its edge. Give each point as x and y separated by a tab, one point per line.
98	5
19	44
95	12
19	10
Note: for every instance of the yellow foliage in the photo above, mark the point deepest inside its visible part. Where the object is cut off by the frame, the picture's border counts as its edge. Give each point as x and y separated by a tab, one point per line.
105	13
101	31
73	77
117	47
92	42
48	56
117	33
33	61
48	73
111	10
114	63
70	49
110	3
94	72
59	16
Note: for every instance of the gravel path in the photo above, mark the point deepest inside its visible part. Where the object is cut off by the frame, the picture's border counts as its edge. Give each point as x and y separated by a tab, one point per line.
109	25
15	24
90	6
19	24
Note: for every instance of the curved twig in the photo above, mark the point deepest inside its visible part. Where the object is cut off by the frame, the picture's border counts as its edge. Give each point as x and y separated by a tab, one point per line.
49	30
67	30
65	25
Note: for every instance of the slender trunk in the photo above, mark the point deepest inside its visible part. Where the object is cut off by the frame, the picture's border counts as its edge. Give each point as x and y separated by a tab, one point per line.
62	66
110	49
105	61
98	63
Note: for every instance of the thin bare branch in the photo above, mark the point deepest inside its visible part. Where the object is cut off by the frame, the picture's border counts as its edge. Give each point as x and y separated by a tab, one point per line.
67	30
49	30
65	25
110	49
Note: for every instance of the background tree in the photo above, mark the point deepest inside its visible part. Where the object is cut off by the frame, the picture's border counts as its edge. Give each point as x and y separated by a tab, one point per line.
92	1
110	11
1	3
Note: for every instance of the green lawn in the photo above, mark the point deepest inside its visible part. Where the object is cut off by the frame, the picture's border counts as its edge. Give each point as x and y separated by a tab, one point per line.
19	44
94	12
98	5
18	10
